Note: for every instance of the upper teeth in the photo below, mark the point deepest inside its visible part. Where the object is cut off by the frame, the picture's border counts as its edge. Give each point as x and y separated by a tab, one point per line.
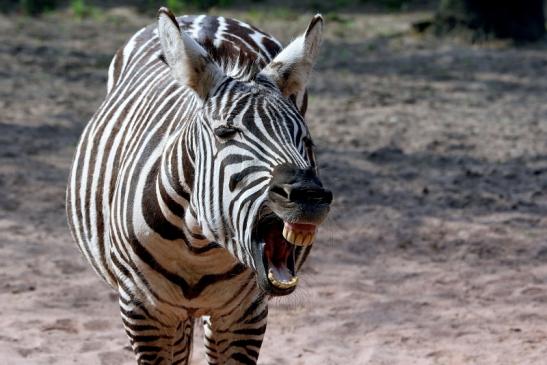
296	237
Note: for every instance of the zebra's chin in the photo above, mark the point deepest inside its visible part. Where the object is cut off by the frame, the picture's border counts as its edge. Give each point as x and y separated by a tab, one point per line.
274	257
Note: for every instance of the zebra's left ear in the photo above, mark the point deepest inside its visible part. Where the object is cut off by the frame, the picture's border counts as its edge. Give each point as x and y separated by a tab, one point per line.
189	62
291	68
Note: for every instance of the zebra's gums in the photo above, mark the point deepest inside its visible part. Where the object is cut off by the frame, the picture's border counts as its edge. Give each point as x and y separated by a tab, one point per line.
194	189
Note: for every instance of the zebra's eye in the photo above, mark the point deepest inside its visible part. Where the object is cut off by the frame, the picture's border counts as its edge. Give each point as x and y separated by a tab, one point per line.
226	131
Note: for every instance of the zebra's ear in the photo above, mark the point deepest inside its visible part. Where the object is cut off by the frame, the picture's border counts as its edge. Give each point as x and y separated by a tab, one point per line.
291	68
189	62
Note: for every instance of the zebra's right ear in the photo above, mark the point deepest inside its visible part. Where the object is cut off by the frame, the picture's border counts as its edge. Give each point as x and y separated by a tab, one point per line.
189	62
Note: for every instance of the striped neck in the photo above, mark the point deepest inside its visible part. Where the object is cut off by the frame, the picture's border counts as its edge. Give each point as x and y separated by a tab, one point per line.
176	178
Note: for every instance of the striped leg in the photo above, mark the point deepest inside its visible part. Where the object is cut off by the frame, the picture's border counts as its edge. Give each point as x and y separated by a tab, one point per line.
153	338
236	337
182	346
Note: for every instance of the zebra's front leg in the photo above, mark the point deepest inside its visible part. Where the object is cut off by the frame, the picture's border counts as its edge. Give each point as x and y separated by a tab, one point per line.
182	344
156	338
236	337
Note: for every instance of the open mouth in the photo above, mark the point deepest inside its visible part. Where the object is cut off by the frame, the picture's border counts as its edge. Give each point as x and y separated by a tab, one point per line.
276	244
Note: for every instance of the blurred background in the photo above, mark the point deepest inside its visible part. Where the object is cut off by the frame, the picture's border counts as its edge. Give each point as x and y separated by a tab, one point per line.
430	120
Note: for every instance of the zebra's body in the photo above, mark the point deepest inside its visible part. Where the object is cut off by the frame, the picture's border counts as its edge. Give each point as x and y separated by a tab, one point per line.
142	202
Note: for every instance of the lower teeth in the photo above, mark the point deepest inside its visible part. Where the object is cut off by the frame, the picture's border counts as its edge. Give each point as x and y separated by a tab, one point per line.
280	283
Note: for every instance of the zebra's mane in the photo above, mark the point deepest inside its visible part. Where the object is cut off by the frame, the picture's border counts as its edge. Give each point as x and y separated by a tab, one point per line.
233	49
240	68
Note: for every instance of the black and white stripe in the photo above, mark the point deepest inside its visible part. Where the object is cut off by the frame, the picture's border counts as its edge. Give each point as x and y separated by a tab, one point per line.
162	200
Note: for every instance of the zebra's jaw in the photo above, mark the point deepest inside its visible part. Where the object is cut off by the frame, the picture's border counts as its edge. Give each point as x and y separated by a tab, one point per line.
297	234
274	257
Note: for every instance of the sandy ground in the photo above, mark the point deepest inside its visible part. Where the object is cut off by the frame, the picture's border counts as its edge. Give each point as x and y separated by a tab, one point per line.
436	248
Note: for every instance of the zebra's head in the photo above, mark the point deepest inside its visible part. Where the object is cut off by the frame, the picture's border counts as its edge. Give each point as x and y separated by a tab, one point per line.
255	187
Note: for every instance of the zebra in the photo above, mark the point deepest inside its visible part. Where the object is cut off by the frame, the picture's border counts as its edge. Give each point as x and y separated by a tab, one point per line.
194	190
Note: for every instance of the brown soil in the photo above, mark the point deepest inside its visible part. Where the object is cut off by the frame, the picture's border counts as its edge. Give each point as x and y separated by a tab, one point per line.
436	248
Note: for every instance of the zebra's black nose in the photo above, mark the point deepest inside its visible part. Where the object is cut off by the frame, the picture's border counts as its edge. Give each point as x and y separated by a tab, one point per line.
302	193
291	185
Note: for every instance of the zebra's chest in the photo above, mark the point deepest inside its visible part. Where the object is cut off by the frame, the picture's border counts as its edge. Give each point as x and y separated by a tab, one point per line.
179	274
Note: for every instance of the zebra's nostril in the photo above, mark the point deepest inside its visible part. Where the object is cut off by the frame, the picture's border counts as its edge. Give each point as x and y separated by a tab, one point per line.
281	191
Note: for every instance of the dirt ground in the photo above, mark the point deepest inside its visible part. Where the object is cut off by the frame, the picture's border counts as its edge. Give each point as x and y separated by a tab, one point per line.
436	248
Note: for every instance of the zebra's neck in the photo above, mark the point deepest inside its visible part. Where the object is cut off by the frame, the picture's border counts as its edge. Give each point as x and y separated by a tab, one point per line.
175	180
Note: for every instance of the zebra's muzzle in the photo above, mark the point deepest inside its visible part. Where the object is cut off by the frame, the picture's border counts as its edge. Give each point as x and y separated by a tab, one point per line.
297	197
297	203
